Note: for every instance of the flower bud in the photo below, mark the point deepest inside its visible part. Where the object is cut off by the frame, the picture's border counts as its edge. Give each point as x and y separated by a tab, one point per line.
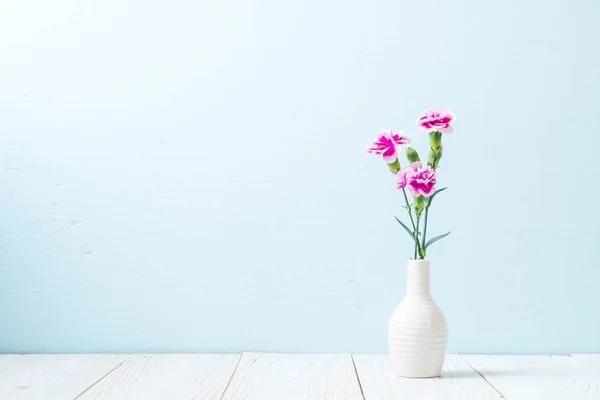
419	204
412	155
395	166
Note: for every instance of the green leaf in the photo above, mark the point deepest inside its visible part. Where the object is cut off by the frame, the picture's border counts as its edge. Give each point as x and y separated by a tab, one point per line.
436	192
412	235
435	239
433	195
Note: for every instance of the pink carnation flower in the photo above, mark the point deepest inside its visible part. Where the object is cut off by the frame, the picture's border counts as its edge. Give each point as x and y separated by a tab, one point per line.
437	120
385	144
420	181
402	176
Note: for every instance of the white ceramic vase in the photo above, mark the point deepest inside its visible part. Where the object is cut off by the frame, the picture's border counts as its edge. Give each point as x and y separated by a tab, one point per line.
417	332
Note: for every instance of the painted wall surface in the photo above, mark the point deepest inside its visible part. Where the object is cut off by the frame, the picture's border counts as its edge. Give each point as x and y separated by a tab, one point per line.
189	175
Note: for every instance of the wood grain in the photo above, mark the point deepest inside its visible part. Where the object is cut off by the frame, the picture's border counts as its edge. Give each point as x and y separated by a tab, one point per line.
257	376
294	377
591	361
53	377
537	377
167	377
458	381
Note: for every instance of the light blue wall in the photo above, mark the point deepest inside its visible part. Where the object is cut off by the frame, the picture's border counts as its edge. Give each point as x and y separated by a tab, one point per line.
189	176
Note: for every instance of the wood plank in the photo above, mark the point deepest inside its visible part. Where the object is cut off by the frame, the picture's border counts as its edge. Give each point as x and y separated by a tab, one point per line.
167	377
458	381
589	360
53	376
5	361
537	377
591	363
294	377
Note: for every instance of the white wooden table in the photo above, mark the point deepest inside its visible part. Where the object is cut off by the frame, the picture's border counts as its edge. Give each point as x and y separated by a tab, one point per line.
265	376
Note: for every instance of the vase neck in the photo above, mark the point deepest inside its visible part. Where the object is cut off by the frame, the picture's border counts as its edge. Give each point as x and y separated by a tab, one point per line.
417	279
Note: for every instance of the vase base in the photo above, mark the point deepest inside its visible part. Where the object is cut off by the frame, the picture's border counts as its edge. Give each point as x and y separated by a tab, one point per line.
427	371
408	376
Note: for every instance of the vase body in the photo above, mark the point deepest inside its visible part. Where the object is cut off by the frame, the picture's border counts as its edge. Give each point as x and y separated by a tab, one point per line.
417	331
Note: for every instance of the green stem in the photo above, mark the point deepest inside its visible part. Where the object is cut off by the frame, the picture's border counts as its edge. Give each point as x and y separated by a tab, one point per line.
417	240
412	221
425	230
